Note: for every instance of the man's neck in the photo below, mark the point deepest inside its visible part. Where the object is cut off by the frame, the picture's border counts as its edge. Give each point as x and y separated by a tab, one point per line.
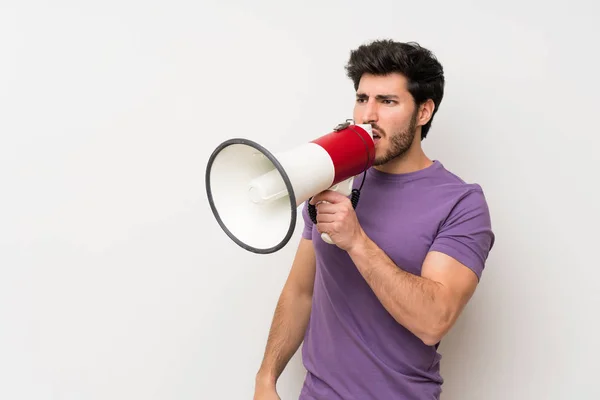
411	161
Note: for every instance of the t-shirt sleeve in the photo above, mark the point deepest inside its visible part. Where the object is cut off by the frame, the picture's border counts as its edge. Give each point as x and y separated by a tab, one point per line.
466	235
308	224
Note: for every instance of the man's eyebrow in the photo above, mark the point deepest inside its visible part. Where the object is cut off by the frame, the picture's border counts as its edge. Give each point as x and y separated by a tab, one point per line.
379	96
386	96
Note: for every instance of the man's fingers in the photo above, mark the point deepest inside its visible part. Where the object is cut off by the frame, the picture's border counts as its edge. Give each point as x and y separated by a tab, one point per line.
325	218
327	208
324	227
329	196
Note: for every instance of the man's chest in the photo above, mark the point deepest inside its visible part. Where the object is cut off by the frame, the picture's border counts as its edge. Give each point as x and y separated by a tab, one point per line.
404	229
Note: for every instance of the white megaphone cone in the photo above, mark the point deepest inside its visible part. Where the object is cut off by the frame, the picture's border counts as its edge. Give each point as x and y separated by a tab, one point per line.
254	194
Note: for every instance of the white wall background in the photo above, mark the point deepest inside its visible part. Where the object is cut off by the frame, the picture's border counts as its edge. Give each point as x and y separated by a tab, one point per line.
115	280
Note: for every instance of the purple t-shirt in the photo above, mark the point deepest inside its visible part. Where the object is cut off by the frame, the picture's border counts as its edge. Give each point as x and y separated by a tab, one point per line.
353	348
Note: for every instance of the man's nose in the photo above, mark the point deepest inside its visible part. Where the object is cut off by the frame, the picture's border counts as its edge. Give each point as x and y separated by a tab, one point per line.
369	113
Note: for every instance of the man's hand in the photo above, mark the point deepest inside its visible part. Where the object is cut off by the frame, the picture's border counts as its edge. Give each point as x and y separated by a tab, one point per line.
265	392
337	218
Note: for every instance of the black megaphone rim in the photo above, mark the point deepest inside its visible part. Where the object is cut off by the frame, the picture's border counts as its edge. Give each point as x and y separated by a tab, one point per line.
286	180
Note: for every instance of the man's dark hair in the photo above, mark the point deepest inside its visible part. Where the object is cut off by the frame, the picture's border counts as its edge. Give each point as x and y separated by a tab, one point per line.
424	73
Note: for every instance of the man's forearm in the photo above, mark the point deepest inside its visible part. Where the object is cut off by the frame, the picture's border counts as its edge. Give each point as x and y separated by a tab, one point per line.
415	302
285	336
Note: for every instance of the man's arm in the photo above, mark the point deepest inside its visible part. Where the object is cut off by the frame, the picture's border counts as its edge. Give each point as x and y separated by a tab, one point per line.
290	318
427	305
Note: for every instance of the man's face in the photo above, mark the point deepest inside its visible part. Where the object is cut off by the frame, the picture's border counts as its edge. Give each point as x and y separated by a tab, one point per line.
385	103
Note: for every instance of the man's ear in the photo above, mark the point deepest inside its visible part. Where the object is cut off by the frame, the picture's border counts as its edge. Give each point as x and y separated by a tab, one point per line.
425	112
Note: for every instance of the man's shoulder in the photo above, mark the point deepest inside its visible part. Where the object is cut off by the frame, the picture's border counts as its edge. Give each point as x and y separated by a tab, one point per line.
452	177
451	185
465	231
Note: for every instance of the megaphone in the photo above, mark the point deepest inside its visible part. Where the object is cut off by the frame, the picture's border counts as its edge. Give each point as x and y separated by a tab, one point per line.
255	194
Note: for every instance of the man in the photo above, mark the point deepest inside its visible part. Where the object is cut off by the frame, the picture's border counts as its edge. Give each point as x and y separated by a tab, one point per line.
372	309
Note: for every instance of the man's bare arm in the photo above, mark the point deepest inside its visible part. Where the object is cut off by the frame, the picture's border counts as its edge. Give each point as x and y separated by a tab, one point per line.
427	305
291	316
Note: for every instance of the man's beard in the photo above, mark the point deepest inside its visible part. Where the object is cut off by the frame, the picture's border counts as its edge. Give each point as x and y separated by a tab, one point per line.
399	142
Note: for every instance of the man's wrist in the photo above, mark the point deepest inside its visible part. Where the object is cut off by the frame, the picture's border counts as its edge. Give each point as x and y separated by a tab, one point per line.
264	378
359	245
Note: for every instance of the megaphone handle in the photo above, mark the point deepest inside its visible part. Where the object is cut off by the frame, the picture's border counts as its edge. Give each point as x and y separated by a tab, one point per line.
312	212
326	238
